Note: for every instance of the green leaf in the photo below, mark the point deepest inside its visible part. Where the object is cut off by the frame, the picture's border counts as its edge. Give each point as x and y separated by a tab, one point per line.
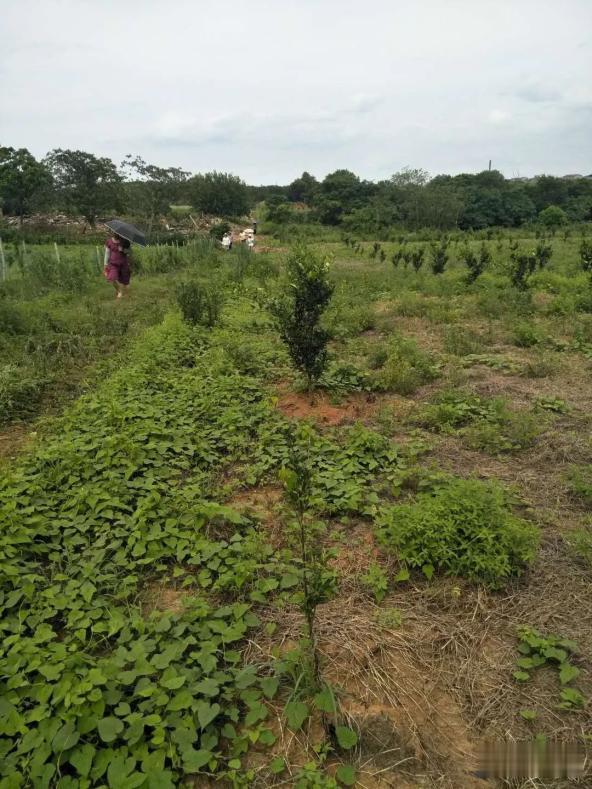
325	701
296	712
82	759
402	575
572	697
267	737
194	760
552	653
567	672
181	701
346	774
109	728
65	738
173	683
121	775
528	715
346	737
287	581
521	676
269	686
258	712
428	571
206	713
277	765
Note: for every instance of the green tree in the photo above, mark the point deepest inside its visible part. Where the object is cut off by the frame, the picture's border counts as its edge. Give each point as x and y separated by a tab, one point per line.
85	183
152	189
298	312
278	208
221	194
22	180
341	192
553	217
303	189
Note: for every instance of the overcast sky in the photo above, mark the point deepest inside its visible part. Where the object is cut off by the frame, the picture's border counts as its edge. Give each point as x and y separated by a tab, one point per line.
269	88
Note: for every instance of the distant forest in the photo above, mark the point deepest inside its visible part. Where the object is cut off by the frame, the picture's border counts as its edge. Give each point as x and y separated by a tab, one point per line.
80	183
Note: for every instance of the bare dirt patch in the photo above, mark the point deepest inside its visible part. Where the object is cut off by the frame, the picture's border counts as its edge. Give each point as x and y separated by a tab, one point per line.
14	439
319	407
265	504
161	596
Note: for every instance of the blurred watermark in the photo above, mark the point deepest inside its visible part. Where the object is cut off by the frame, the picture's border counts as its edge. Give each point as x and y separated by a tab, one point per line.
532	759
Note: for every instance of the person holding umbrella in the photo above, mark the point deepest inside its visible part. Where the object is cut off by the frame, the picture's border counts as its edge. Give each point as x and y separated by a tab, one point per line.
118	254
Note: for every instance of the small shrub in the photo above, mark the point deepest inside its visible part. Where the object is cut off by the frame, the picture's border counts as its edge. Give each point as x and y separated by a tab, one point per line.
504	430
406	368
12	320
543	253
439	255
580	545
465	528
579	480
586	256
537	650
411	305
19	392
416	258
349	319
343	377
454	409
475	264
298	312
541	366
553	404
377	357
522	267
525	335
200	303
219	230
375	581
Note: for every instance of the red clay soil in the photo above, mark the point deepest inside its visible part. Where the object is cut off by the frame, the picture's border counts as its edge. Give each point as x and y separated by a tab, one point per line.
317	406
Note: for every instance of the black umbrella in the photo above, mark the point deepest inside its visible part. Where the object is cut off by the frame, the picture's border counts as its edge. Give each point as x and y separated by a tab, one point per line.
125	230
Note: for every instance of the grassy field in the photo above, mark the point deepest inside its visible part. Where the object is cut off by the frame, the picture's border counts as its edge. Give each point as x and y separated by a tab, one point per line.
151	609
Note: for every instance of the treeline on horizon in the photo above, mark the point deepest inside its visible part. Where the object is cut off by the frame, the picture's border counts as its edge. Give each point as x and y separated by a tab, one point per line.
80	183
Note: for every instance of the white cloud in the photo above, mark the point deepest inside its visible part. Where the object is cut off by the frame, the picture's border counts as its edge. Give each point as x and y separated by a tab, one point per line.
269	88
498	116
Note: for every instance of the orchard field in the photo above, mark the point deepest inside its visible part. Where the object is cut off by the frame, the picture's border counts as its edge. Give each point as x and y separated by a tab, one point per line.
212	576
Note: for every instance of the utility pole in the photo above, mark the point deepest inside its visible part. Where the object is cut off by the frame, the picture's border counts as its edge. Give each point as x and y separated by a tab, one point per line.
490	165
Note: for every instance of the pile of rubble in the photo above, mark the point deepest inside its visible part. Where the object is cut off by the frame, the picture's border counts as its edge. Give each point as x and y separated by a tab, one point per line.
181	225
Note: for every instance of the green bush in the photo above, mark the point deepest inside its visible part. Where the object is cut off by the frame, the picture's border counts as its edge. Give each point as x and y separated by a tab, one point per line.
541	366
219	230
580	544
504	430
341	377
411	305
579	480
406	368
525	335
12	320
454	409
200	303
464	528
349	319
377	356
19	392
298	311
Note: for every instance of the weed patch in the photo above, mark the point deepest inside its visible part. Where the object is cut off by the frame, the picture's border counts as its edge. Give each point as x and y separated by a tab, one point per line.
465	528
